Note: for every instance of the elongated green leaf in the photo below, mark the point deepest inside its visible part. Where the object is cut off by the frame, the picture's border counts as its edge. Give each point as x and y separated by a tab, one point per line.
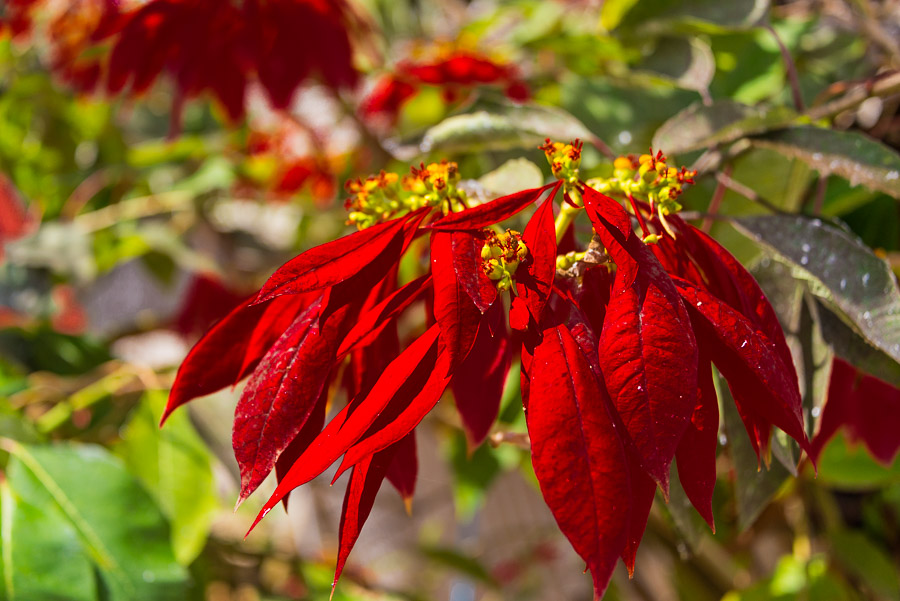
753	487
840	270
512	176
40	554
852	348
503	128
689	62
867	561
694	15
851	155
174	464
699	126
118	525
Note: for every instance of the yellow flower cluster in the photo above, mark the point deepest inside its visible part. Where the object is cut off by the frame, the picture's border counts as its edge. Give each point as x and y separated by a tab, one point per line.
647	175
388	196
501	255
564	160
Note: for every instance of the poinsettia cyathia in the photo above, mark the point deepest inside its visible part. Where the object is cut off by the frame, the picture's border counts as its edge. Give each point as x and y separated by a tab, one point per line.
616	339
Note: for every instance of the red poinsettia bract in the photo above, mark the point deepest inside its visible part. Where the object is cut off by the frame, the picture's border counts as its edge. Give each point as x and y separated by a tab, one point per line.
616	346
217	47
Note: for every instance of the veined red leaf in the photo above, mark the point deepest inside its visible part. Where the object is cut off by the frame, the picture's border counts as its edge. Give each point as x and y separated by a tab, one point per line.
372	322
409	371
365	481
466	254
404	468
404	412
648	353
456	314
696	454
867	408
746	358
643	489
492	212
610	210
231	349
281	395
478	382
339	260
534	277
304	438
578	457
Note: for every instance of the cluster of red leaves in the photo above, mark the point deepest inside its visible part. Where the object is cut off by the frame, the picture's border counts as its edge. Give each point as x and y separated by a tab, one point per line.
616	365
868	409
206	46
454	74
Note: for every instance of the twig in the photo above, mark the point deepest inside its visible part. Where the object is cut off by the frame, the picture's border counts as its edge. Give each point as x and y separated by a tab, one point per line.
885	84
791	69
716	201
819	199
746	192
519	439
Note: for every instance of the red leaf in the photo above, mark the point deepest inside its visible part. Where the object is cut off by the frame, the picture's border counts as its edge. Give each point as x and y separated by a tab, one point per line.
339	260
281	395
578	457
466	253
304	438
866	407
647	351
643	489
519	316
365	481
408	372
696	454
746	358
231	350
15	220
478	382
492	212
372	322
456	314
404	412
405	468
534	278
607	208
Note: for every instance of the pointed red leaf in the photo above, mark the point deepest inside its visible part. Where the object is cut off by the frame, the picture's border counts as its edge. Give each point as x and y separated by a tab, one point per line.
231	349
456	314
365	481
578	457
610	210
339	260
404	412
466	254
301	442
281	395
647	351
867	408
405	468
372	322
409	371
696	454
534	278
746	358
495	211
643	489
478	382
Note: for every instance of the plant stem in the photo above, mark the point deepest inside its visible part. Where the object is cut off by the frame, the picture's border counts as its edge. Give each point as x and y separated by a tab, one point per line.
565	218
791	70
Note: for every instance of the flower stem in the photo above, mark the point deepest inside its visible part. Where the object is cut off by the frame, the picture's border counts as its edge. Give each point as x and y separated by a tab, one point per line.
566	215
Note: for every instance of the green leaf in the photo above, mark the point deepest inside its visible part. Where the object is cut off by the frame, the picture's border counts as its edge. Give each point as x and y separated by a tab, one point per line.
854	349
867	561
688	62
41	556
699	126
851	467
503	128
839	269
119	526
652	16
851	155
512	176
462	564
173	463
754	486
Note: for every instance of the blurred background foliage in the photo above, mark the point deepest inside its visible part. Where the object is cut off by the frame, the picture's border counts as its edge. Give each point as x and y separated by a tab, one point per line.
124	235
